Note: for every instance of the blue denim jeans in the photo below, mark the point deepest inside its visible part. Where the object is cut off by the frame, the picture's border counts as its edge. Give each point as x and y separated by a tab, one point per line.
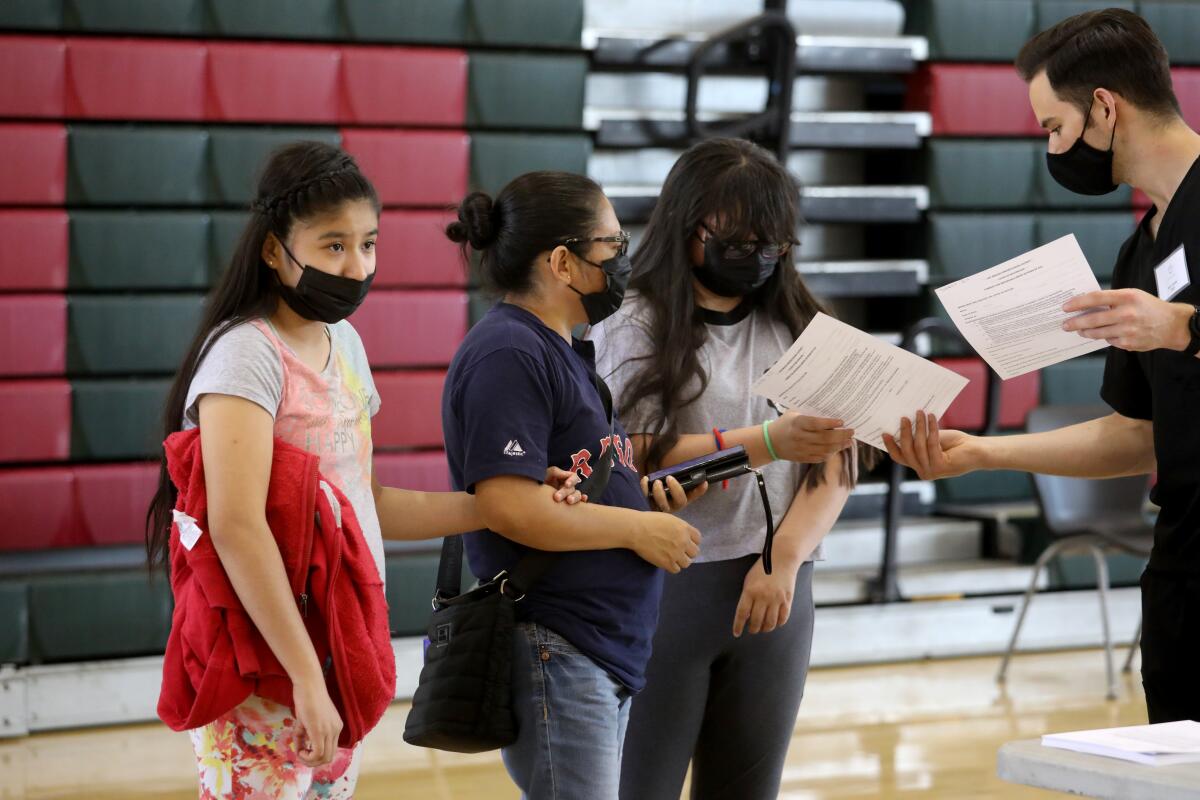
571	718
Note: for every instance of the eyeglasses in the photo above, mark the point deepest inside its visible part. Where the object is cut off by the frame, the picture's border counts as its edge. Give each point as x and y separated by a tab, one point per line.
744	249
621	239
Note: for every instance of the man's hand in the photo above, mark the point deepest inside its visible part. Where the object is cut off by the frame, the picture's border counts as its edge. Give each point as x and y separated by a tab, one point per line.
1130	319
933	453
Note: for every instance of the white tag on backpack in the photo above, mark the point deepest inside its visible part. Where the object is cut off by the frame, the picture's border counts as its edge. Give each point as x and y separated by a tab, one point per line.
1171	276
189	531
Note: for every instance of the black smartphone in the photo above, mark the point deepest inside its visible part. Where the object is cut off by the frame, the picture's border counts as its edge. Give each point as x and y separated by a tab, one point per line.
718	466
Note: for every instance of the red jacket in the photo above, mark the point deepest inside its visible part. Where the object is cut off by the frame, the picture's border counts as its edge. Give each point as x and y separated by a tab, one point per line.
216	657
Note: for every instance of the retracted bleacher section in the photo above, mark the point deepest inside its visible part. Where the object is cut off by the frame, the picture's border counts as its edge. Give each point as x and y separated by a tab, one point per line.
130	145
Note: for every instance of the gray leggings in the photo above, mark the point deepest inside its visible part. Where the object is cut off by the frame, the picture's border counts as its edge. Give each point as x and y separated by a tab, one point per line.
727	705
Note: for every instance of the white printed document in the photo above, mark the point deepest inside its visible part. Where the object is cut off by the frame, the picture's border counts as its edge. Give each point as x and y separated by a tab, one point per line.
1012	313
1156	745
835	370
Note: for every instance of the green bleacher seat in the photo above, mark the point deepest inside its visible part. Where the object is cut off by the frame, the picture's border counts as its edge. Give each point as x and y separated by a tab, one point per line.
277	19
129	165
440	21
990	486
238	154
226	228
1176	22
88	616
176	17
497	158
981	173
963	244
1100	234
117	419
122	335
1074	382
978	30
1051	12
1078	571
39	15
139	250
14	633
411	579
559	23
519	90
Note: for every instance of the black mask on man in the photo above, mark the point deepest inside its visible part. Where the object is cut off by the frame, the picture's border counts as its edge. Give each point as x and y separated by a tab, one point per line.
1084	169
321	297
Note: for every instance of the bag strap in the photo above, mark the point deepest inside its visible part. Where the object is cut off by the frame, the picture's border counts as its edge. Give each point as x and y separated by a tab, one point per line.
533	565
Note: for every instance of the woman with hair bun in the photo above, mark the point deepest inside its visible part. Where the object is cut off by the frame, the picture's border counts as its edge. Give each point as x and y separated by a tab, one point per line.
522	396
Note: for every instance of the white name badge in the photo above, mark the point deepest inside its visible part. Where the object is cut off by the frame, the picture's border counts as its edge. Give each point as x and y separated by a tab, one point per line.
1171	276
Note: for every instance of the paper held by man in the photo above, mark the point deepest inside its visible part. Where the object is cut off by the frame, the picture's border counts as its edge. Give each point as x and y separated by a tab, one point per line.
1012	313
835	370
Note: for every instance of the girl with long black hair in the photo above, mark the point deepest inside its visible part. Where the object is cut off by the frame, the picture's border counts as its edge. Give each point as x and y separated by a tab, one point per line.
716	300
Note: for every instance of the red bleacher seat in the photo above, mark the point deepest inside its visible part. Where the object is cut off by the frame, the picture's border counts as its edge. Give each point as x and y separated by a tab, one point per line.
273	82
36	249
404	86
39	511
412	168
37	420
111	501
1018	397
34	69
33	161
412	329
136	79
416	252
411	415
33	334
973	100
1187	88
424	471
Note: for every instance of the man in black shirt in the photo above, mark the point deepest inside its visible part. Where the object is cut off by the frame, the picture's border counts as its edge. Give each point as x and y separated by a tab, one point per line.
1100	84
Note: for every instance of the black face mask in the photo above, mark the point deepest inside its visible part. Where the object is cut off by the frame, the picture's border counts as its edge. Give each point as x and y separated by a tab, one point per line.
733	277
1083	169
322	297
599	306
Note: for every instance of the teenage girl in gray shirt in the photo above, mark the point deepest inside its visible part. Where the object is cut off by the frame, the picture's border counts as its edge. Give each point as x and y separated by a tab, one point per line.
717	300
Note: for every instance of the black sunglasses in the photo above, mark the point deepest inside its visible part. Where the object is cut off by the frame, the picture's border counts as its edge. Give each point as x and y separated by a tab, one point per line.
621	239
732	249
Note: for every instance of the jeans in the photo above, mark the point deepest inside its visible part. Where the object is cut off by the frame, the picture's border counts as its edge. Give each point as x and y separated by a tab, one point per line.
571	719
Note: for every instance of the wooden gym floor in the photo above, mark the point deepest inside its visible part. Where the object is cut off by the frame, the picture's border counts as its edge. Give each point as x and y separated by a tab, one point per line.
914	730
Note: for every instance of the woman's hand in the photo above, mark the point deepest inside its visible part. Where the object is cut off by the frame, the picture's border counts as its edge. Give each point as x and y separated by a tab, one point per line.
317	721
665	541
564	484
766	601
809	440
673	498
931	452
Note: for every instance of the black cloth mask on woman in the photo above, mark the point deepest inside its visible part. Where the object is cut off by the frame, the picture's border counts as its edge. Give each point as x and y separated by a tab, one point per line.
1084	169
321	297
736	270
601	305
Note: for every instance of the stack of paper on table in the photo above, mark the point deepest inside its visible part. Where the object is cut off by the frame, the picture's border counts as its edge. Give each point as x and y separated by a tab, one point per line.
1158	745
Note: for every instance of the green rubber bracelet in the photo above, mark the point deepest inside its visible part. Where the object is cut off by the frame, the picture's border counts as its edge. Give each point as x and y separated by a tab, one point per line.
767	439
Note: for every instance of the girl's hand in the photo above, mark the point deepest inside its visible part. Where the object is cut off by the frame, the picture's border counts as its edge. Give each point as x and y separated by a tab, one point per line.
564	484
318	723
673	498
766	601
809	440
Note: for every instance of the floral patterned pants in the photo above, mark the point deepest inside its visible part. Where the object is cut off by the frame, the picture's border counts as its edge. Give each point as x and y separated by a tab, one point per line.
251	754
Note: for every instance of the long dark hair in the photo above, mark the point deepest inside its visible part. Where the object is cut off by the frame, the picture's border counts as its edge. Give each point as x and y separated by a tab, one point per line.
299	181
533	213
736	188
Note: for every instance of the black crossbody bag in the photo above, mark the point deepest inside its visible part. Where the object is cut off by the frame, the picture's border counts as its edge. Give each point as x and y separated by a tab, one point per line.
463	701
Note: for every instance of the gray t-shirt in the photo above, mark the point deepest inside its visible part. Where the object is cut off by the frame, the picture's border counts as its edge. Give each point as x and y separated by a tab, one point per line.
327	413
734	356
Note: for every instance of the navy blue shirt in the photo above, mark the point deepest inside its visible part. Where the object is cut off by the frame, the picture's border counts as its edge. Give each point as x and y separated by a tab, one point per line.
519	399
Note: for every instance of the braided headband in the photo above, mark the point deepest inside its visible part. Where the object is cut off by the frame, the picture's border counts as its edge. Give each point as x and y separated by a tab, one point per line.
266	205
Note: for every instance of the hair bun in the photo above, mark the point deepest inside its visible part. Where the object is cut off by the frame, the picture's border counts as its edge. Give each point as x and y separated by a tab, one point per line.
477	224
